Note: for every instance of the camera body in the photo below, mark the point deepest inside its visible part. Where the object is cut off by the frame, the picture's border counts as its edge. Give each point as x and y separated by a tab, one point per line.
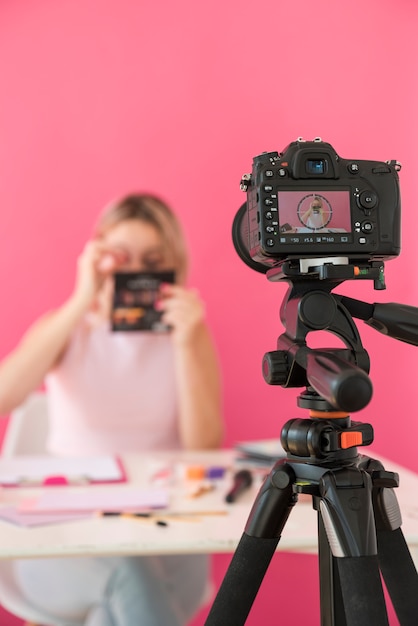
308	202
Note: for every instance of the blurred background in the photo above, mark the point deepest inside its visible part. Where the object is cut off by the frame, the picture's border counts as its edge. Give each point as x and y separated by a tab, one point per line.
103	98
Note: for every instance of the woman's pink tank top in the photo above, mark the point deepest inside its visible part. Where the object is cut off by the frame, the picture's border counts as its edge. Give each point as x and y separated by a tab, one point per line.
113	392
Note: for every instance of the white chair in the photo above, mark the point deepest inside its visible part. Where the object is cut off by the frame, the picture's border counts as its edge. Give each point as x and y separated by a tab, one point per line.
25	434
27	429
12	600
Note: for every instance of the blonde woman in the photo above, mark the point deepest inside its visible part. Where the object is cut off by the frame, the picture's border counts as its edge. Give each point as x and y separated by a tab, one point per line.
112	392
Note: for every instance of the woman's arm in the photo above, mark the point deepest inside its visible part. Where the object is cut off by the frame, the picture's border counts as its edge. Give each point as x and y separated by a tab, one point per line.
24	369
197	369
305	216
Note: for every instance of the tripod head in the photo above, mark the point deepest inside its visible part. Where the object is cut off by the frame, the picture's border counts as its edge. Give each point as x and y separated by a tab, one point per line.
336	381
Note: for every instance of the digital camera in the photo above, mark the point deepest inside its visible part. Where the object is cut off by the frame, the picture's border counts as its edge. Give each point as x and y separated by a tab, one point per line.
308	202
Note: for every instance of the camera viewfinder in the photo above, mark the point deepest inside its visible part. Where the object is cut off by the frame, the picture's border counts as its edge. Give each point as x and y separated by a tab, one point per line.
316	166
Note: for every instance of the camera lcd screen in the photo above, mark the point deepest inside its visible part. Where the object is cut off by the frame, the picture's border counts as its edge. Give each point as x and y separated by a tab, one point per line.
314	214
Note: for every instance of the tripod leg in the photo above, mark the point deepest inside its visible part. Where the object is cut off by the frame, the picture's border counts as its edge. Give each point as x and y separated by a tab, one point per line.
346	586
242	581
331	601
255	549
362	592
347	514
400	575
396	564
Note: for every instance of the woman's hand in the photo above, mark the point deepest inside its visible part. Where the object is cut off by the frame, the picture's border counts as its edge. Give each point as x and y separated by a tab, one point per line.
197	368
183	310
45	342
95	265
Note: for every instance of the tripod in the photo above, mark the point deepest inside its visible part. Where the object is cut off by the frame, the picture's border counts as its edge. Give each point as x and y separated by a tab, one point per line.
359	521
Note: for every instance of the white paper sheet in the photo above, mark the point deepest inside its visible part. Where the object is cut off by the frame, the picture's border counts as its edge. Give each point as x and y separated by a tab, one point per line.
24	470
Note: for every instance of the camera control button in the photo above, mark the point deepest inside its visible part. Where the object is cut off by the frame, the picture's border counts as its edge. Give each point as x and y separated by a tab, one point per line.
367	199
362	240
282	172
367	227
268	215
269	173
268	188
268	201
269	242
269	229
353	168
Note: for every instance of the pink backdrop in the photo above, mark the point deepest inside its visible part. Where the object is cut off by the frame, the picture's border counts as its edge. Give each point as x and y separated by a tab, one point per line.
101	98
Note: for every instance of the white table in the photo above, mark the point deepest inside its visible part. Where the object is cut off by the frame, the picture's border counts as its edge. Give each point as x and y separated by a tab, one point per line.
205	534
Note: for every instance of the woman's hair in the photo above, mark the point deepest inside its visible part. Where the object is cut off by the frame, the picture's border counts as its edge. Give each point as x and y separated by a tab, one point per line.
151	210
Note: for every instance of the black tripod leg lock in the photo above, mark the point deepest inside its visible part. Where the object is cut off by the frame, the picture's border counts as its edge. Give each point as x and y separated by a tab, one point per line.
347	512
385	504
386	508
273	504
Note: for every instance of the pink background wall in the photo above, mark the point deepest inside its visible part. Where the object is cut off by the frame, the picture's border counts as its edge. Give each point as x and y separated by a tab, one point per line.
101	98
